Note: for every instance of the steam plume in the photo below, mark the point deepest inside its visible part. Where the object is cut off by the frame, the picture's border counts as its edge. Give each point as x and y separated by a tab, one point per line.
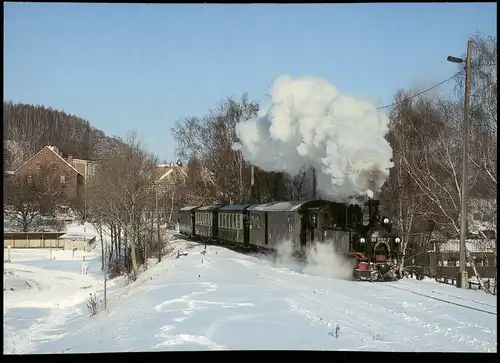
308	122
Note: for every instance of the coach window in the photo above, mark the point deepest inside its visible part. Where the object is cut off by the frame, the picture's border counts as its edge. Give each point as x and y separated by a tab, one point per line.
258	222
233	220
327	219
313	220
239	221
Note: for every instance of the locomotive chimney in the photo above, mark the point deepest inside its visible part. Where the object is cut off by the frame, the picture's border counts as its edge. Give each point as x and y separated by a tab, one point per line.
373	206
314	182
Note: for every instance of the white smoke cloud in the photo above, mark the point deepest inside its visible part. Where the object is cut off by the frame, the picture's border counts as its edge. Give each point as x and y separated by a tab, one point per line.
321	260
308	122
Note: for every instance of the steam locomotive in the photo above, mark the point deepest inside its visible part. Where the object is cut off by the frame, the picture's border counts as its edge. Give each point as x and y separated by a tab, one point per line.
358	232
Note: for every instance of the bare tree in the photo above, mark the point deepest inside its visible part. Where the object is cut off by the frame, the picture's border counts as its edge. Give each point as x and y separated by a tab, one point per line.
427	138
208	141
123	187
22	199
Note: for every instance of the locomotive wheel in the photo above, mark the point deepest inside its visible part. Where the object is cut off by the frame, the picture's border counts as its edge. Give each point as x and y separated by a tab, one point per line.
376	276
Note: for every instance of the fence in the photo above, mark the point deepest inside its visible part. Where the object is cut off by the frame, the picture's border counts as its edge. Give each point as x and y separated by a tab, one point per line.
472	285
45	240
33	240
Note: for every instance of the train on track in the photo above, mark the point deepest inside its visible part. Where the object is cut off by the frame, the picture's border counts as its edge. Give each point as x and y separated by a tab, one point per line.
357	232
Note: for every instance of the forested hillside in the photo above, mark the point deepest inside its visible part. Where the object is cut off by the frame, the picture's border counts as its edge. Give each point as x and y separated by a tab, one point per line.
28	128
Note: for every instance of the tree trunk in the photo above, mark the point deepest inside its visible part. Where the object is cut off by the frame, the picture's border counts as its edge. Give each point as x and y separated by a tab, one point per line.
119	232
132	245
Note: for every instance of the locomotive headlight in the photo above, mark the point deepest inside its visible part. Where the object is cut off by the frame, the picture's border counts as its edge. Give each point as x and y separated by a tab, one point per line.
385	220
362	240
397	239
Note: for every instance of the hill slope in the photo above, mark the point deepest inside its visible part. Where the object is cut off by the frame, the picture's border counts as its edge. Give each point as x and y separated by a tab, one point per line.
28	128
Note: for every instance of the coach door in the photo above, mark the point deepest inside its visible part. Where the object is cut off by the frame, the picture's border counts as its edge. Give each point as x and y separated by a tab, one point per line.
313	227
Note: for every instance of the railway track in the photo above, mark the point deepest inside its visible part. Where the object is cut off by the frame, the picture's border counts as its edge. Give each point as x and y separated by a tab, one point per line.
445	301
242	250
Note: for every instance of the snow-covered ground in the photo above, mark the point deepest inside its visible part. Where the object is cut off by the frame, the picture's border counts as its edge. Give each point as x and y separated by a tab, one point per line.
219	299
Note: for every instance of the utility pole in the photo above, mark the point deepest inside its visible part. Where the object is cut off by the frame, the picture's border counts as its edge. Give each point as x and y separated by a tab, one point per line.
84	202
463	276
158	223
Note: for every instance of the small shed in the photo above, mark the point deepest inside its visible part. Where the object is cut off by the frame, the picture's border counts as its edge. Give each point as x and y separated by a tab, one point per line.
79	240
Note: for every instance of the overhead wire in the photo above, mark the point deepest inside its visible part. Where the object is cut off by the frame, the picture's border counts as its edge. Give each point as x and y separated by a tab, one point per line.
421	92
431	88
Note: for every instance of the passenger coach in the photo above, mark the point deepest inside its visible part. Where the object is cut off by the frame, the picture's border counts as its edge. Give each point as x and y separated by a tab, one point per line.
233	224
206	222
186	220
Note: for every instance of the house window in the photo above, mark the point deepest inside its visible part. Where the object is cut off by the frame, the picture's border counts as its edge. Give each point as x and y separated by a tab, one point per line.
38	166
30	179
62	179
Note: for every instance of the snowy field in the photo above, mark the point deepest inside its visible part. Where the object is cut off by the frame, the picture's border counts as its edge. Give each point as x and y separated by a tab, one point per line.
219	299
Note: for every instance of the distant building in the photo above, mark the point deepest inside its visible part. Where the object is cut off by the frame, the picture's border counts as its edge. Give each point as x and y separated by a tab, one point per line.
86	167
50	157
170	174
72	173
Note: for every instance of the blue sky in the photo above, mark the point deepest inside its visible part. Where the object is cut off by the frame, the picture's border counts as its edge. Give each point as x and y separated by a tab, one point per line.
143	66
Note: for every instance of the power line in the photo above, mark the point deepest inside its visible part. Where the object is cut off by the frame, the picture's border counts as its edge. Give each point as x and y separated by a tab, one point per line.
421	92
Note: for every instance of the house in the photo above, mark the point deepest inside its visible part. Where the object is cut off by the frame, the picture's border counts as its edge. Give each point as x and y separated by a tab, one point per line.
444	257
50	156
171	173
86	167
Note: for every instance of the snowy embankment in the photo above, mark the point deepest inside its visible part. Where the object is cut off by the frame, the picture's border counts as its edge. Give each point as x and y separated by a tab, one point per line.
219	299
